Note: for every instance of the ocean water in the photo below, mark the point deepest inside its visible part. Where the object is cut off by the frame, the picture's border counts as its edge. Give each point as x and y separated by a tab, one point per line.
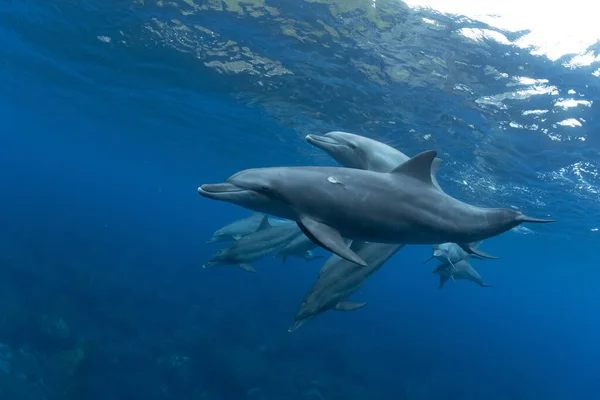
113	113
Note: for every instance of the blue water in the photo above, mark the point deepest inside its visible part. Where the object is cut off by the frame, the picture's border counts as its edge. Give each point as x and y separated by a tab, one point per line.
102	232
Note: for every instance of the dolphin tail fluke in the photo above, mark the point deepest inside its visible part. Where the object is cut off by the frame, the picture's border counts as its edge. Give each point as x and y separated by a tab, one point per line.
468	247
525	218
328	238
349	305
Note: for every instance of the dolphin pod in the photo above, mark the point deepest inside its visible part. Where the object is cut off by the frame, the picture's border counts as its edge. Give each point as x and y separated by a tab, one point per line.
378	200
340	278
455	264
255	246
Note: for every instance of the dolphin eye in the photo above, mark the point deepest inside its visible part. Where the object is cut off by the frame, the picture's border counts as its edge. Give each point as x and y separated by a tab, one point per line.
264	189
352	145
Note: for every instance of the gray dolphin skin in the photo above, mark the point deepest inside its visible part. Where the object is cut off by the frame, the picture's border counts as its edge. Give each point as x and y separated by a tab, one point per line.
460	270
340	278
242	227
301	247
355	151
452	253
255	246
332	203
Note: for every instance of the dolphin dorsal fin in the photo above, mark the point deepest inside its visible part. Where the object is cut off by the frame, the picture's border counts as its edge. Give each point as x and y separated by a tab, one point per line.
264	224
418	167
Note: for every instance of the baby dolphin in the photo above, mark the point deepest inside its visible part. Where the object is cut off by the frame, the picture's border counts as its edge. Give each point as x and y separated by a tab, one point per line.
242	227
460	270
355	151
301	247
402	206
255	246
340	278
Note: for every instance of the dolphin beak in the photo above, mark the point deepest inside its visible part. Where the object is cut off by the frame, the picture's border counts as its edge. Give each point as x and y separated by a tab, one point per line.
296	325
219	191
429	259
319	141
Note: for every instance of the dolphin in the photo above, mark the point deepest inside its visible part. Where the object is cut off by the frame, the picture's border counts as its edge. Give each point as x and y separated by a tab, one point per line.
460	270
242	227
301	246
255	246
332	203
340	278
355	151
451	253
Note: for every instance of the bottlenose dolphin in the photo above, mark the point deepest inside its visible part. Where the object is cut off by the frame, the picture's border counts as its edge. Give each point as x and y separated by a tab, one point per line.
460	270
340	278
451	253
355	151
254	246
242	227
332	203
301	247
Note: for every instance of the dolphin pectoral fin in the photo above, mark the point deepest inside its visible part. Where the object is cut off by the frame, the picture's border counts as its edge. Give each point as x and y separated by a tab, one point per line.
485	285
468	247
443	280
349	306
283	259
452	265
328	238
236	237
356	245
246	267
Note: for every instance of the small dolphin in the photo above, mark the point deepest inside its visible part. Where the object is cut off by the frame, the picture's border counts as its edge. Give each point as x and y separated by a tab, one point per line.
402	206
355	151
340	278
460	270
242	227
301	247
254	246
452	253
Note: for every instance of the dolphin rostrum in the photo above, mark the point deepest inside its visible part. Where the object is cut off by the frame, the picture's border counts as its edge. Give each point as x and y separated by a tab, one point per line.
255	246
356	151
340	278
332	203
301	247
241	227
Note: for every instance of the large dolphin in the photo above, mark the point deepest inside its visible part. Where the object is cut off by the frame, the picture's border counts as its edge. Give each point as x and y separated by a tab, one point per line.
255	246
340	278
241	227
459	270
355	151
332	203
301	247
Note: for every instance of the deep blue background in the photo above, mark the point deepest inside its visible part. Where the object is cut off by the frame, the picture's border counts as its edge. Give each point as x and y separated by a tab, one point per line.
101	224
